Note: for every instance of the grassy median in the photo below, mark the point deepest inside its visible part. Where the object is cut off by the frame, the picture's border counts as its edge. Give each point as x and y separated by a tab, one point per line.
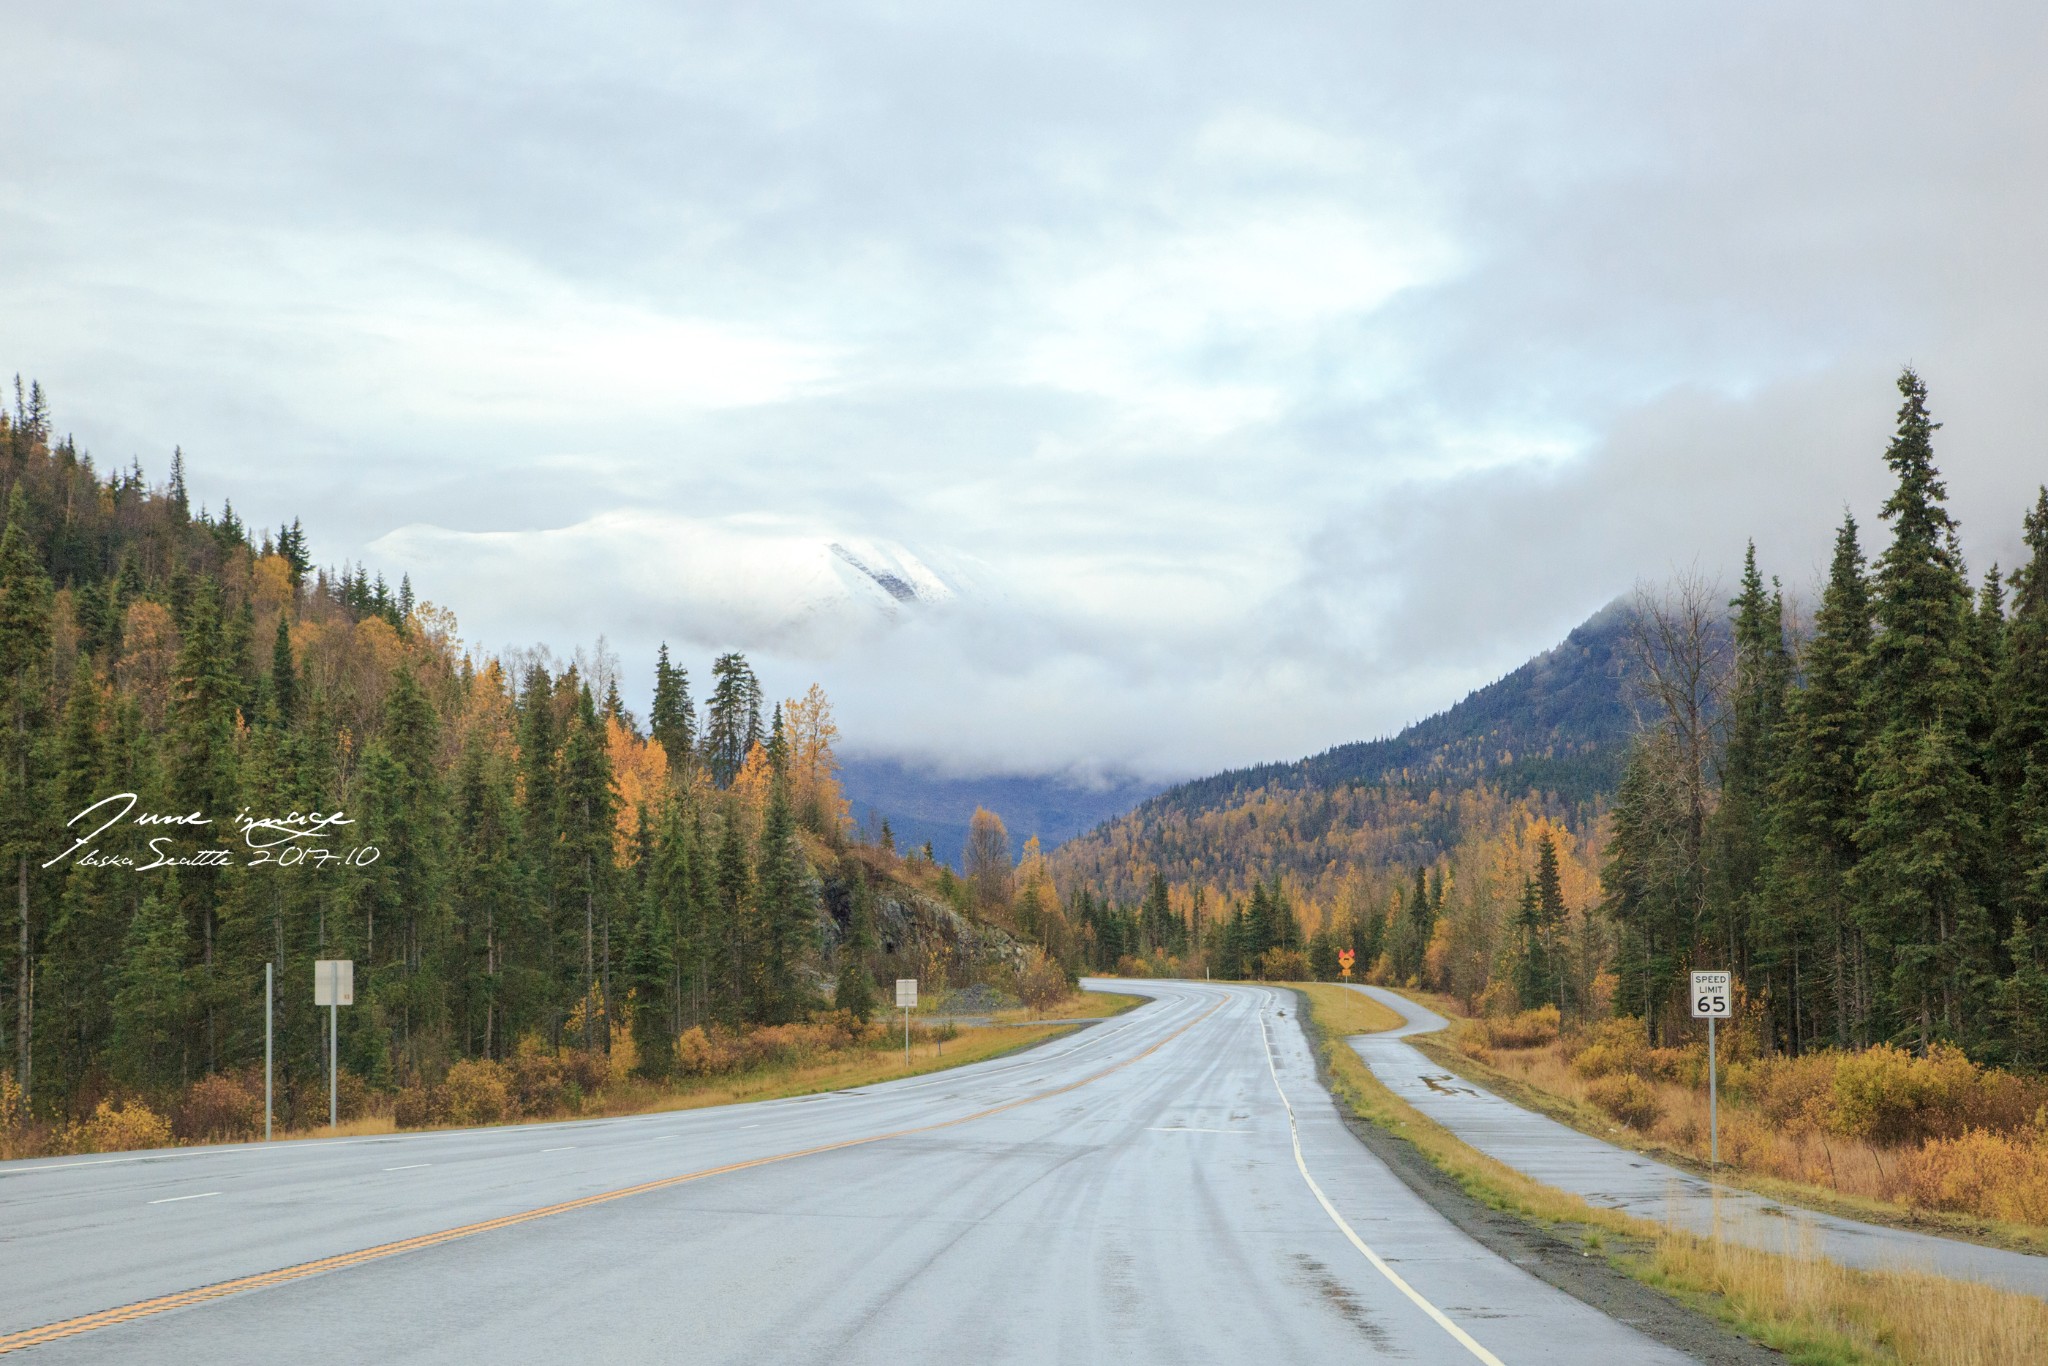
1811	1309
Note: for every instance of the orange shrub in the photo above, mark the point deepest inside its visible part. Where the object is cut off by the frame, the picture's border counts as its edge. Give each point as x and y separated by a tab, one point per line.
534	1078
1498	1001
1795	1094
699	1054
119	1129
217	1109
415	1106
477	1093
2004	1177
1618	1045
585	1071
1686	1064
1530	1029
309	1098
1888	1096
1627	1097
1041	981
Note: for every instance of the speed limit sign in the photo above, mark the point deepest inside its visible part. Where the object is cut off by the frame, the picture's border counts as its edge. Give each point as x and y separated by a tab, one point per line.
1711	993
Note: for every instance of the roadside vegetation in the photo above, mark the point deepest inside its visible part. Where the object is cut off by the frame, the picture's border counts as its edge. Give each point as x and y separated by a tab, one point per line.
830	1052
1933	1141
1812	1309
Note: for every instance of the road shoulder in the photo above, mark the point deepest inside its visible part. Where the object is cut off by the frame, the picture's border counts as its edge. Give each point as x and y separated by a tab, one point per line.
1560	1256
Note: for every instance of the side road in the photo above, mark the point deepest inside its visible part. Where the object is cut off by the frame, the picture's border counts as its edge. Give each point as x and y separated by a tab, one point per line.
1603	1174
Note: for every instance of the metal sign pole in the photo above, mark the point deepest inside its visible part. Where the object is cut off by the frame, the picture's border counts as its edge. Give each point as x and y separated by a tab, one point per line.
1713	999
906	1036
269	994
333	1024
1713	1102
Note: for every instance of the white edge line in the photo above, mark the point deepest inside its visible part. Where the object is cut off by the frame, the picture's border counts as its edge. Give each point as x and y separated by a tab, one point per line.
174	1199
1464	1338
409	1167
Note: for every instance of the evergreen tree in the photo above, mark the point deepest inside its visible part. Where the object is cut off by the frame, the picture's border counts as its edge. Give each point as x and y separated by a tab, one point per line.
730	940
24	680
782	908
734	723
1539	970
1816	809
672	720
2018	773
284	676
589	807
1924	805
652	962
540	820
488	894
150	1009
855	990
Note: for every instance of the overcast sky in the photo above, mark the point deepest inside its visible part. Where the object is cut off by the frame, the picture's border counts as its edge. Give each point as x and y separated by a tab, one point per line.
1261	378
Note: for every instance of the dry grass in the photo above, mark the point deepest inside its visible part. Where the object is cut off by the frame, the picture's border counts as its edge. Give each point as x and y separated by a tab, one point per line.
1812	1309
1980	1185
1346	1012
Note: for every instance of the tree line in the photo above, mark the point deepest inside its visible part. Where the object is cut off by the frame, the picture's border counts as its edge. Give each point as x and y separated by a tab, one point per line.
523	863
1852	817
1850	813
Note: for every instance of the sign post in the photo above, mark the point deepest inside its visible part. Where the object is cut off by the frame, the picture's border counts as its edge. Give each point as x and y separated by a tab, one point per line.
1345	958
334	985
269	994
906	1001
1712	999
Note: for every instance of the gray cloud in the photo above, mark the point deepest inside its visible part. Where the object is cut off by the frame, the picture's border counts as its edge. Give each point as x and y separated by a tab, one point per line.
1280	379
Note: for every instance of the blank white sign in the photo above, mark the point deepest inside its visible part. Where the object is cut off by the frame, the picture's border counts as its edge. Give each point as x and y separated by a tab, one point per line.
906	993
334	982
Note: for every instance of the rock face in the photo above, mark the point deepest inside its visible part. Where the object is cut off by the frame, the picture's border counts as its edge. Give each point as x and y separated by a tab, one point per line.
914	930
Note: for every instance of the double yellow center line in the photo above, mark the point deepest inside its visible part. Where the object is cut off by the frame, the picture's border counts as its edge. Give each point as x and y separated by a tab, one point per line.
127	1313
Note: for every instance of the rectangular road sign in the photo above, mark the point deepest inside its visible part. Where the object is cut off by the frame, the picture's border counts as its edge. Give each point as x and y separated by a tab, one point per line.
334	982
906	993
1713	996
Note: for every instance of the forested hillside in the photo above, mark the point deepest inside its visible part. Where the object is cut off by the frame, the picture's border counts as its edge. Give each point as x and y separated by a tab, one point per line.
1854	819
1552	736
302	763
1559	723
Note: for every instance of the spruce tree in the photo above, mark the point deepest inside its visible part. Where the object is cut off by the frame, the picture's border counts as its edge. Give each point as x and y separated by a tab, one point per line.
734	723
672	720
782	909
855	990
284	675
151	1006
651	958
731	936
588	815
1816	809
1924	805
25	600
2019	779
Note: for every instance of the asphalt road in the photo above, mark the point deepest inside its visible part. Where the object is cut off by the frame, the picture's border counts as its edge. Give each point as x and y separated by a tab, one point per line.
1621	1178
1169	1186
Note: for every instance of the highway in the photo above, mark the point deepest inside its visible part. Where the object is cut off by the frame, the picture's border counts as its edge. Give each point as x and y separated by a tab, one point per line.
1170	1186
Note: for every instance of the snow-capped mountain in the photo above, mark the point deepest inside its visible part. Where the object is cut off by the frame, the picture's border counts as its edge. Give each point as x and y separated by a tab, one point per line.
751	582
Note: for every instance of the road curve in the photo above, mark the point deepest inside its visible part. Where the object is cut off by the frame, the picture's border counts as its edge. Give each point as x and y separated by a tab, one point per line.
1621	1178
1172	1185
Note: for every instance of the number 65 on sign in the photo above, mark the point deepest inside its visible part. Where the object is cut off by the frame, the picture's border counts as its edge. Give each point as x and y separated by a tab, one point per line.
1711	996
